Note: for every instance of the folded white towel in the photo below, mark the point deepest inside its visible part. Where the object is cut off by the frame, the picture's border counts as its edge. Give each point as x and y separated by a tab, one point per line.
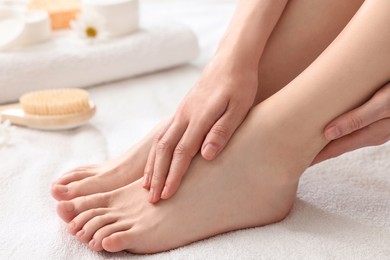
66	62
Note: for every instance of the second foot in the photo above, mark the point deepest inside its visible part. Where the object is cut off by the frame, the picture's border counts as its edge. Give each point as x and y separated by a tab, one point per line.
98	178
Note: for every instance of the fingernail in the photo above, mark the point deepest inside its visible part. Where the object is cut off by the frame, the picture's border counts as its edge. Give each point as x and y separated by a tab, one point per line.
62	188
164	194
92	243
333	133
210	151
146	180
151	195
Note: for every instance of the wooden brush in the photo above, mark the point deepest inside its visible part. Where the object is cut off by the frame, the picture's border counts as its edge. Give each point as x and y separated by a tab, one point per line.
55	109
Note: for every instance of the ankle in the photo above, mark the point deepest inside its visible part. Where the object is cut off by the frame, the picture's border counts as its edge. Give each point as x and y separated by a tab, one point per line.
298	142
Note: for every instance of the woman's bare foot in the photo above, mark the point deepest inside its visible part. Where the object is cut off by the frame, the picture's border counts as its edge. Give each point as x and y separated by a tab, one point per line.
103	177
106	176
252	183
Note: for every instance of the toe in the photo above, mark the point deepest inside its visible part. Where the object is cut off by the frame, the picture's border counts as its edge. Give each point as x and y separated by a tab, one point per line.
119	241
76	175
84	187
59	192
96	223
80	220
68	210
96	242
61	189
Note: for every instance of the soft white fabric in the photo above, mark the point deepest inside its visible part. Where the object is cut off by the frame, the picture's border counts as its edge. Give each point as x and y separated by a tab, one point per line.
67	62
342	210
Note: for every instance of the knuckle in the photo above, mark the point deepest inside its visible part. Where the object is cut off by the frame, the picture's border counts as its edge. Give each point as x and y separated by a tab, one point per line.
355	122
101	218
181	149
163	145
221	131
94	212
157	180
147	171
158	136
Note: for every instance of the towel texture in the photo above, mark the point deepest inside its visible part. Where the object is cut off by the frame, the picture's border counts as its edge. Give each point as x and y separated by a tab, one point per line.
67	62
342	210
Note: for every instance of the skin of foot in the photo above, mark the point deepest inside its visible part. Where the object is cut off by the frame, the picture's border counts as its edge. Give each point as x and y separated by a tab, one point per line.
248	185
106	176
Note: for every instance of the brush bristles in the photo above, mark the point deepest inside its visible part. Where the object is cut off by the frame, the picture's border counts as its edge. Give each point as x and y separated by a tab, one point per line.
55	102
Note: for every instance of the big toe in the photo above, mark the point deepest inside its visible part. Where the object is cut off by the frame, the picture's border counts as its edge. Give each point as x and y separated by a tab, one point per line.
68	210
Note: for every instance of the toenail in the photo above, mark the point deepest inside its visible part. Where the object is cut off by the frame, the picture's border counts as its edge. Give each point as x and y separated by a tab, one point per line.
71	225
80	233
62	188
92	243
69	207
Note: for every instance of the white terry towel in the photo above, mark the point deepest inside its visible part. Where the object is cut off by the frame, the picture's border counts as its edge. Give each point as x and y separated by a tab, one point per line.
65	62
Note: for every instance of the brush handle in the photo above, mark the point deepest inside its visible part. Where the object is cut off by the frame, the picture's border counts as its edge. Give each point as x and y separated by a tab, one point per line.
15	114
7	107
10	106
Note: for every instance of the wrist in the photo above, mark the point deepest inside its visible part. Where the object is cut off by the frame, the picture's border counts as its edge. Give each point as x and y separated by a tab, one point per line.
235	58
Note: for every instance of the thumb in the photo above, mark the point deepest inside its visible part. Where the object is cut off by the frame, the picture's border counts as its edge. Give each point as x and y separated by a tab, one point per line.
354	120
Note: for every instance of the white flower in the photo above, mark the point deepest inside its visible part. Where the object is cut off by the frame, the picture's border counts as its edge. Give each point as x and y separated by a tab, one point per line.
89	26
5	136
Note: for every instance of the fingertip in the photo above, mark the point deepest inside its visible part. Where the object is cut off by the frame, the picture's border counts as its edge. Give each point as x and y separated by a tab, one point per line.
151	196
165	193
333	133
209	152
146	181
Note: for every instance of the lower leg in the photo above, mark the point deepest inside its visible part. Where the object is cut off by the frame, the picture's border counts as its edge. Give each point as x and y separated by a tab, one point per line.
263	160
306	28
283	59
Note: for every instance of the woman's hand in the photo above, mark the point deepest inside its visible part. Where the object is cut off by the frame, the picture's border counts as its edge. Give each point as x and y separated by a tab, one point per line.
219	102
205	120
367	125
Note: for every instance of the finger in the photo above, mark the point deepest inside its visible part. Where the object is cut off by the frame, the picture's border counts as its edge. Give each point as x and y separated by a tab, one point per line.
220	134
374	134
164	151
356	119
184	152
149	166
